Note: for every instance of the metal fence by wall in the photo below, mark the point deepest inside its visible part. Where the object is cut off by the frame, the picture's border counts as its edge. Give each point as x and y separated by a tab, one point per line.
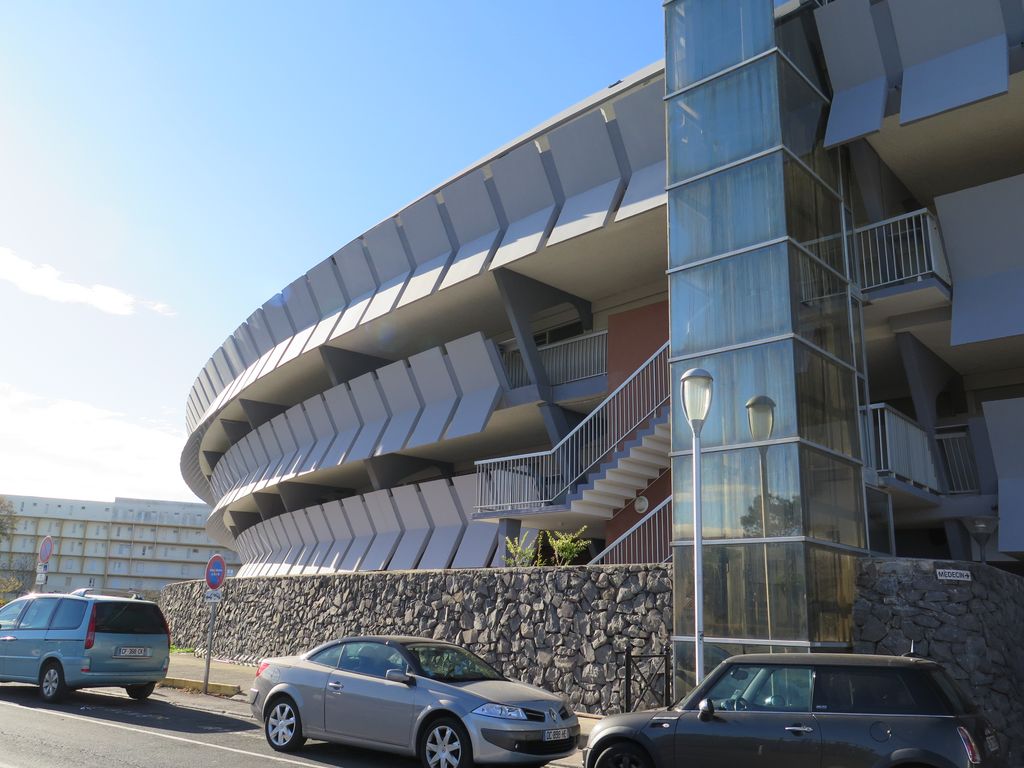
901	250
543	478
957	454
564	361
902	448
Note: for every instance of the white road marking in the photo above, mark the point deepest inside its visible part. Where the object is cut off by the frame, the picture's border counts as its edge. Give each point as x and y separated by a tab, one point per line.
143	731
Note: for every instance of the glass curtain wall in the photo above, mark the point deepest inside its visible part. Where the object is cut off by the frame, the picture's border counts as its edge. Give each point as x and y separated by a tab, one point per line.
760	296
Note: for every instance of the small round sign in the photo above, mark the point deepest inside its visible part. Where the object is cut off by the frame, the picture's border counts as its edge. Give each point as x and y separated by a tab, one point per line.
46	549
216	572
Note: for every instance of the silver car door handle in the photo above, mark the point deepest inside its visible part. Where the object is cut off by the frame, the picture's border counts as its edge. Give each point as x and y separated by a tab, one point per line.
799	729
336	687
4	639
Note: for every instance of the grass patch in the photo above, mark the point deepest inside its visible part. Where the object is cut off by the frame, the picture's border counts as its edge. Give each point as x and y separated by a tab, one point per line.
179	649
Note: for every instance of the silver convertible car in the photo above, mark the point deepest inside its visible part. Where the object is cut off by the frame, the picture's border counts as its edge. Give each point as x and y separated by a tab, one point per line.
411	696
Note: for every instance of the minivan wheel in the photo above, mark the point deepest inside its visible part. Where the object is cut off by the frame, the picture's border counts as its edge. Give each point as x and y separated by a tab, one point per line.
444	743
623	755
52	687
283	726
140	692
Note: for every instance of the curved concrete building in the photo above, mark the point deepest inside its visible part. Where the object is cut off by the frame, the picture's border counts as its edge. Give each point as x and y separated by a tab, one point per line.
338	427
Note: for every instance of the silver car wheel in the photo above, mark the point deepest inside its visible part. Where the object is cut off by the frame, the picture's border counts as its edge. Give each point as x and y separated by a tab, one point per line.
51	682
444	750
281	724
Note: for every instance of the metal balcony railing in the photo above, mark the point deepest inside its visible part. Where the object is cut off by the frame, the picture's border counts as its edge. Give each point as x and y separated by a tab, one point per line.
544	478
957	455
901	250
902	448
570	360
647	541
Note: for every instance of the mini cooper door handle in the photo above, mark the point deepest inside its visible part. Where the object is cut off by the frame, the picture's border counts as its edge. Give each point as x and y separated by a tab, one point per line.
799	729
9	637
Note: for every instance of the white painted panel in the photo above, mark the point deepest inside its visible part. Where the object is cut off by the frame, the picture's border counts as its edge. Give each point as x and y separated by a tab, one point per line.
277	319
298	546
323	282
372	411
425	232
341	536
389	531
585	212
305	440
385	299
298	300
403	402
1005	422
289	450
476	550
283	550
640	116
355	271
524	236
473	360
386	252
325	541
448	524
350	318
439	394
322	332
259	331
470	259
413	515
342	411
323	432
646	190
424	279
297	344
362	533
244	347
275	357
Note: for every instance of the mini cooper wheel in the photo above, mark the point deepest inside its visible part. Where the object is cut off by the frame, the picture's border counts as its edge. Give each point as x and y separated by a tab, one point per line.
283	726
140	692
445	744
52	687
623	755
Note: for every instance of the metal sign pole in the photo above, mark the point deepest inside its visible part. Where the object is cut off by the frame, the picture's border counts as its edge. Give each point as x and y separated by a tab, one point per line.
209	646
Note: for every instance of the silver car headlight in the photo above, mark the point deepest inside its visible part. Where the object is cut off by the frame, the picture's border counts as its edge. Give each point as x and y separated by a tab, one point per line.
501	711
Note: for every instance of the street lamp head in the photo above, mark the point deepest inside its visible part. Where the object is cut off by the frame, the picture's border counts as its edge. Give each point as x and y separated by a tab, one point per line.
982	526
760	417
695	387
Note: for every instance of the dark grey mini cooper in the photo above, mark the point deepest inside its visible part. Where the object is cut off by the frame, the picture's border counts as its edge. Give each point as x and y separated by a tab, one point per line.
803	710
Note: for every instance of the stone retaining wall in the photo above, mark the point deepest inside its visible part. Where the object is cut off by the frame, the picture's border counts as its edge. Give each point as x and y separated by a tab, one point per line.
565	629
973	628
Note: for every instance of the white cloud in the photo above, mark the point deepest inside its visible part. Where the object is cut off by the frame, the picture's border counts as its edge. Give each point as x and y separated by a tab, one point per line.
72	449
45	281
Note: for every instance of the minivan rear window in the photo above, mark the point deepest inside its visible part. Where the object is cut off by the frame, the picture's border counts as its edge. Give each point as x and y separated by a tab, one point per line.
129	618
69	615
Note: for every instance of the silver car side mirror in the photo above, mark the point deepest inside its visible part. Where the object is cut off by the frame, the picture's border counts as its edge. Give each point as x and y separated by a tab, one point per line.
705	710
398	676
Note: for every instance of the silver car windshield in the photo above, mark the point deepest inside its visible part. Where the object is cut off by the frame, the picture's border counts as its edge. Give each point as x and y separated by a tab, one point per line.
449	664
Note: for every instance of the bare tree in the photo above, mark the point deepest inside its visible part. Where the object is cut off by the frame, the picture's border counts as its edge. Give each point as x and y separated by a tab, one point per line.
6	519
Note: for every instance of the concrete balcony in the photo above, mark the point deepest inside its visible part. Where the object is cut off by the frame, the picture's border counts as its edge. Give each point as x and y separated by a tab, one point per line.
901	251
565	361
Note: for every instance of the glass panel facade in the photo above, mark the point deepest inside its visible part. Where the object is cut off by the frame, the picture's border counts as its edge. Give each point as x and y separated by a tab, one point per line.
813	216
820	306
734	506
804	115
740	374
711	124
714	654
831	576
734	209
731	301
703	38
832	498
736	600
826	402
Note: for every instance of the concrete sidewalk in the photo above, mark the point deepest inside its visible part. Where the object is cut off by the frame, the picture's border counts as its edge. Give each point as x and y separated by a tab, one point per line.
186	671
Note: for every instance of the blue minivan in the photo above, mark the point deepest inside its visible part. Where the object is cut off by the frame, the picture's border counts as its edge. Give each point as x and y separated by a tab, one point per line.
64	642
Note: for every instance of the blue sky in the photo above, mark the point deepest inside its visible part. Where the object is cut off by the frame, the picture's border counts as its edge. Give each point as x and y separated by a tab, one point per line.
165	167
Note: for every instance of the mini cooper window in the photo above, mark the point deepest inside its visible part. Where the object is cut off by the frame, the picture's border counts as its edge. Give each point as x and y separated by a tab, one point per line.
865	691
767	688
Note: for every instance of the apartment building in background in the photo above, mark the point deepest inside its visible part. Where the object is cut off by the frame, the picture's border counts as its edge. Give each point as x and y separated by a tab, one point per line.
820	203
128	544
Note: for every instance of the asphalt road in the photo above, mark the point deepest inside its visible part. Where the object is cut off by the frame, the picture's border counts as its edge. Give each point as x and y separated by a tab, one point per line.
105	729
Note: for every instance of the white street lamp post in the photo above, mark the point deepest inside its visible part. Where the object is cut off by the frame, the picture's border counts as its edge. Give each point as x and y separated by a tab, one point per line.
695	388
761	420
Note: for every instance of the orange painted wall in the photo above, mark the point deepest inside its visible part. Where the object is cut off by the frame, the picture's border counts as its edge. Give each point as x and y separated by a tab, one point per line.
633	336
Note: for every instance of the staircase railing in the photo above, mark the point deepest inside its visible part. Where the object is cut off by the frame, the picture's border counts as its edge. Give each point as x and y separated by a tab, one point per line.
901	250
564	361
902	448
646	541
544	478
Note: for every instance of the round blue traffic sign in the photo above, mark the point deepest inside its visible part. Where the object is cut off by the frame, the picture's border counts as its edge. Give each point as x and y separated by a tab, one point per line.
46	549
216	572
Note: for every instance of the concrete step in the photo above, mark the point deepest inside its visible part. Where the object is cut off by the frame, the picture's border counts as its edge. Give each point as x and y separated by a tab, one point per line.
644	468
599	511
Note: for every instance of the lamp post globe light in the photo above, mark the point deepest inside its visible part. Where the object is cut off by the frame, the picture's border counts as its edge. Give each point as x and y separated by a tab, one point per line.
695	389
981	530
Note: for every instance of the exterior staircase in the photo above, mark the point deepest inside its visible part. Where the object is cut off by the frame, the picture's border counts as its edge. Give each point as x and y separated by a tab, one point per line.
629	470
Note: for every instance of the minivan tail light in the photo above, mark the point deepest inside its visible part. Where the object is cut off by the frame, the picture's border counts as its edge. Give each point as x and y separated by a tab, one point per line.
971	748
262	668
90	635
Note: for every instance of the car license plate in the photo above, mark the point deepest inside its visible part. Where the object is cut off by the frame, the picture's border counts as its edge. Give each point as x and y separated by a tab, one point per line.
558	734
132	653
992	743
